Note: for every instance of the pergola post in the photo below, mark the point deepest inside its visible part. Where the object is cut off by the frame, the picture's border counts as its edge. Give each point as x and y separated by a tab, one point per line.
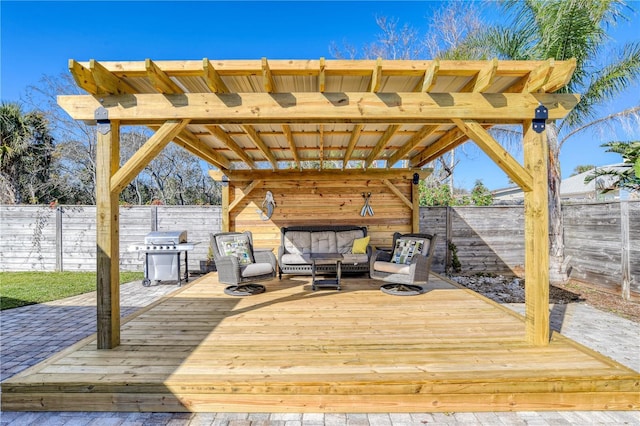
536	220
107	235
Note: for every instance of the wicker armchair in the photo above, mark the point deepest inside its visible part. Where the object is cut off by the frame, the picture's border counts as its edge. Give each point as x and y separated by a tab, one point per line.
405	276
239	265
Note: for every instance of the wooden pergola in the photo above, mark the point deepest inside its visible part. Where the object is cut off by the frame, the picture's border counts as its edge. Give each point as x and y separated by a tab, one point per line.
308	121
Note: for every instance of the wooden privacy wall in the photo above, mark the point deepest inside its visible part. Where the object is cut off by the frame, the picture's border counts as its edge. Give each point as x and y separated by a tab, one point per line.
322	202
39	238
603	242
488	239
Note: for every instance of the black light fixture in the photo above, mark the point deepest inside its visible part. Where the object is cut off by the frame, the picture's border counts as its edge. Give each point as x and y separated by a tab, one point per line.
416	178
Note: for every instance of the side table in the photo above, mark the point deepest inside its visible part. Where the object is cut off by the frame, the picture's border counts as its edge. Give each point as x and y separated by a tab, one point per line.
323	259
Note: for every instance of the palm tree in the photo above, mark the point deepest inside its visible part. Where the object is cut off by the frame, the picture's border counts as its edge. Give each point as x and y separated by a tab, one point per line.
26	149
626	175
565	29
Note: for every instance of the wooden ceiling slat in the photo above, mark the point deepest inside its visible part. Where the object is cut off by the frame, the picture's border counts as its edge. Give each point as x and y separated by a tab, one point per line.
191	143
418	137
261	145
322	78
353	140
560	76
388	134
292	144
227	140
267	77
450	140
83	77
160	80
212	78
430	77
376	76
539	76
107	82
485	77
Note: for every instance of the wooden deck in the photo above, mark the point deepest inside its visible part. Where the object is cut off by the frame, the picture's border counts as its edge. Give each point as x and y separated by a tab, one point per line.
294	350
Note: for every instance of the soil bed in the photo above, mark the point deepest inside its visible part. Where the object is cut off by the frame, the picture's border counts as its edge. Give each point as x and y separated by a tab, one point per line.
511	290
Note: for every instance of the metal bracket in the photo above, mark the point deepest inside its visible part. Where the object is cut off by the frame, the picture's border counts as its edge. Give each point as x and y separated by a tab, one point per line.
541	116
225	180
101	115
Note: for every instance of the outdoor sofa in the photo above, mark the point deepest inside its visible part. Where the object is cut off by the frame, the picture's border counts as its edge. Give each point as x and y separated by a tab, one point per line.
297	241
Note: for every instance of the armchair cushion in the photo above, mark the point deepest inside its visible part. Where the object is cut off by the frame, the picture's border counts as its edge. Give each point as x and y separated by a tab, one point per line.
406	248
237	245
392	268
256	269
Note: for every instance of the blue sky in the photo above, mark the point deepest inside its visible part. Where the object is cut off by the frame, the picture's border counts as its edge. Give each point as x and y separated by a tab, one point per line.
38	38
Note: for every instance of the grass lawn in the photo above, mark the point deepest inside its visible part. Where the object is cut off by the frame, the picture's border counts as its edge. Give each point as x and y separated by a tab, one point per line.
27	288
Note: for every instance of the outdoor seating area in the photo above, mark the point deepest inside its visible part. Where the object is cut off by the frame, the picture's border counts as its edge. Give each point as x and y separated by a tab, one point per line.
293	350
348	240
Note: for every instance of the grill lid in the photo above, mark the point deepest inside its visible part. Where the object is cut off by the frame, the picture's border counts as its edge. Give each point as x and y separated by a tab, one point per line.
165	237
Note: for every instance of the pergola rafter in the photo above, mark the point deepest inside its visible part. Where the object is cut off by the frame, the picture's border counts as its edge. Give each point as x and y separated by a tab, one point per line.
246	113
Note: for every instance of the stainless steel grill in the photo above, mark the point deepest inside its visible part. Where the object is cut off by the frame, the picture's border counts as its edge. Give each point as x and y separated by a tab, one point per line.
163	251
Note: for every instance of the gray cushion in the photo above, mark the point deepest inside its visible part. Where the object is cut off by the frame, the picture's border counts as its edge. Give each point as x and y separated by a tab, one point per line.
293	259
344	240
255	269
296	242
349	258
323	242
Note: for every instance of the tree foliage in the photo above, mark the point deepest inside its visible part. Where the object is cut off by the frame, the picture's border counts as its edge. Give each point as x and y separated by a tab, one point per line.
627	175
174	177
26	155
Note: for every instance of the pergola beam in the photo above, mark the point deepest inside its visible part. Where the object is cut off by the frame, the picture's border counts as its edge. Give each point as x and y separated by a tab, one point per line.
388	134
353	140
318	108
497	153
316	175
227	140
145	154
255	137
410	144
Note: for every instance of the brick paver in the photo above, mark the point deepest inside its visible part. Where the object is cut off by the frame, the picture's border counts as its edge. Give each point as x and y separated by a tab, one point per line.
31	334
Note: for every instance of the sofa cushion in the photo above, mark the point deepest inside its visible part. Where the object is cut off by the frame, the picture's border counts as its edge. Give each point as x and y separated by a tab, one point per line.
293	259
344	240
354	259
236	245
391	268
406	248
323	242
296	242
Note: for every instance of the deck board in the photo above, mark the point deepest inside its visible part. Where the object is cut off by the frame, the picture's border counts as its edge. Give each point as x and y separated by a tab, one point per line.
355	350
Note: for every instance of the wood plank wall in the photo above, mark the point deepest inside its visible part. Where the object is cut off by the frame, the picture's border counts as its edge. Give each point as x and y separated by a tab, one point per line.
488	239
594	240
322	203
29	233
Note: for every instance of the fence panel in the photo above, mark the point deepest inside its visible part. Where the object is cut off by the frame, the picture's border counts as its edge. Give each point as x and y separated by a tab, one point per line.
592	239
28	241
198	221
